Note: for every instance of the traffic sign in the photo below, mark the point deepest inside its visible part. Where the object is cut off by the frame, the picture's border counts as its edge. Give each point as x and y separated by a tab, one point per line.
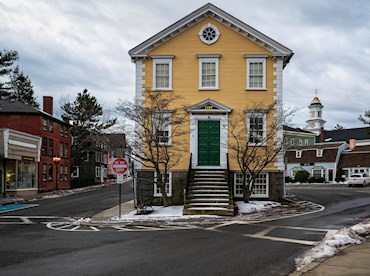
120	166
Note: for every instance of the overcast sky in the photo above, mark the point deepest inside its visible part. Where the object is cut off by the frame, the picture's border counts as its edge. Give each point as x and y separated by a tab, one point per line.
68	45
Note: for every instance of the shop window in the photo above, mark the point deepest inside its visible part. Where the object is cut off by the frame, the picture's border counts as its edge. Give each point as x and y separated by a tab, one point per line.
10	176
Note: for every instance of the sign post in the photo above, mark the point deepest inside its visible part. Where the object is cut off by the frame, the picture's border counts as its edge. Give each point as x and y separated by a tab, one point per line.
120	168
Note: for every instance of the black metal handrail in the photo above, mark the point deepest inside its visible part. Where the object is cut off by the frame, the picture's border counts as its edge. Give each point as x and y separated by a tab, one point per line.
229	174
188	179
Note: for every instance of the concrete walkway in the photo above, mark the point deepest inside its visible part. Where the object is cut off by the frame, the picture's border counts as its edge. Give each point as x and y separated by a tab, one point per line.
106	215
353	260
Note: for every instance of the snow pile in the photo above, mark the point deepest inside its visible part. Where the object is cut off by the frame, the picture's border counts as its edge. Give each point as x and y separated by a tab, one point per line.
172	213
160	213
255	206
82	221
329	246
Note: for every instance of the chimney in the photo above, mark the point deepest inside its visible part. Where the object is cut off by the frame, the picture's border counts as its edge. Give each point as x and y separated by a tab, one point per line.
322	136
48	105
352	144
65	119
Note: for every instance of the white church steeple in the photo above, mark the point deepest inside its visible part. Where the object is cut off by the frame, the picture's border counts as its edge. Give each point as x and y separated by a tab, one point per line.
315	121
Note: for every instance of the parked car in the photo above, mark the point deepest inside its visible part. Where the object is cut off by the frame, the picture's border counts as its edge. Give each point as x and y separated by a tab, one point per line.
359	179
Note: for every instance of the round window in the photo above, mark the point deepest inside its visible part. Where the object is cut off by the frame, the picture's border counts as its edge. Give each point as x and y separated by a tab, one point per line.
209	34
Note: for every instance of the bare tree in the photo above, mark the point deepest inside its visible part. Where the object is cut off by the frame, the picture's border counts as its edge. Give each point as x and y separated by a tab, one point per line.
255	141
153	141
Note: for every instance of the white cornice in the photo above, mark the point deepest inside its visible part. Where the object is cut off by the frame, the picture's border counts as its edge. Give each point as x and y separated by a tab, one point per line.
209	10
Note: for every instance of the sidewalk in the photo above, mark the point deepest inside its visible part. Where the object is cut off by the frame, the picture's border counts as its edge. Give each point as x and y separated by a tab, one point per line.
106	215
353	260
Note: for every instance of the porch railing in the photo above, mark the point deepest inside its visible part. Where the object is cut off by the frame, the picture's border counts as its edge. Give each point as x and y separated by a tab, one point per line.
188	179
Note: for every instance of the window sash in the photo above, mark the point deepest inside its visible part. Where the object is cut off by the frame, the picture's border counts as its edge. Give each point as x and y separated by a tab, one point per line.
256	73
260	188
256	127
208	73
162	128
168	181
162	74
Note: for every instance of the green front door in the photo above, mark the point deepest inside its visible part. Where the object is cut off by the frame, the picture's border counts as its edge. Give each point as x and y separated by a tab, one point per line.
208	143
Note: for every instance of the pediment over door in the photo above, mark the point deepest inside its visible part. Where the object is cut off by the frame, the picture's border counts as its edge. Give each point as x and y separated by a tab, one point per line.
209	106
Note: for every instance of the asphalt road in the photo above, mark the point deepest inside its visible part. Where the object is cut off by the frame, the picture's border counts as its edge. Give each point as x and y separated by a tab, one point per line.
230	249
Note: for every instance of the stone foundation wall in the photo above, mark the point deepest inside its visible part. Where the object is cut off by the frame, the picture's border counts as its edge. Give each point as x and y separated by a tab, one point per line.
145	187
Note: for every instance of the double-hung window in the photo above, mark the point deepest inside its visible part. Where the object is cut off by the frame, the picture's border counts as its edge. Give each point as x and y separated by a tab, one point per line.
162	73
256	72
260	189
162	128
208	72
256	124
167	179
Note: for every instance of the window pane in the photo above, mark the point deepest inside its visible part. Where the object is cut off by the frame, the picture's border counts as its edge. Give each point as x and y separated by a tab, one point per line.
208	74
162	75
256	74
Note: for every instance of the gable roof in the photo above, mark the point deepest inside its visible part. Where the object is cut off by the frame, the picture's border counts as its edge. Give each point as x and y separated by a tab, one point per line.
361	133
221	16
19	108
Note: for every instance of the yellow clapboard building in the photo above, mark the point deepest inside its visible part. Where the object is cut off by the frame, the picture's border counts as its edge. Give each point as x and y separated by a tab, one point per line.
219	66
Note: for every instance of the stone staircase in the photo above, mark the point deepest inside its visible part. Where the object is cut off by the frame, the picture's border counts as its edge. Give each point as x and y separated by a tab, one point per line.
208	194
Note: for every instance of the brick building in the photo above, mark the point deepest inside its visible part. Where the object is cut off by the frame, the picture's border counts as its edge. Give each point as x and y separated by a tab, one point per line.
55	139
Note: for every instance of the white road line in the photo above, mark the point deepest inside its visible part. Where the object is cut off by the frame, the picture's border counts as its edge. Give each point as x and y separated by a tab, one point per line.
281	239
26	220
266	231
30	217
148	228
122	229
301	228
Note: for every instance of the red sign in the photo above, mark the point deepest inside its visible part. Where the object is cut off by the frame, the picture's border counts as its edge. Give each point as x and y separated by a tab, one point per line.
120	166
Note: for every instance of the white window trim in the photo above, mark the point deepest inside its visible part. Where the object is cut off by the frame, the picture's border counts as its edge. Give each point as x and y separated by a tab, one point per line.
156	187
300	142
209	42
298	154
319	152
204	60
264	127
306	142
97	171
292	141
253	195
251	60
169	114
162	61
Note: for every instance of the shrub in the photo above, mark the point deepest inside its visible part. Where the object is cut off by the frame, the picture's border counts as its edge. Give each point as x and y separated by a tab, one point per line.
318	179
338	177
288	179
301	176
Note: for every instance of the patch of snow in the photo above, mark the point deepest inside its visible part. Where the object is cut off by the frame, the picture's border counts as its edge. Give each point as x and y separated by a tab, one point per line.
255	206
160	213
81	221
328	247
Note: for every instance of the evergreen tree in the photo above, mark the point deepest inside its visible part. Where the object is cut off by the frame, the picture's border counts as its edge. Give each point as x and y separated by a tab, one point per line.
21	89
7	58
86	115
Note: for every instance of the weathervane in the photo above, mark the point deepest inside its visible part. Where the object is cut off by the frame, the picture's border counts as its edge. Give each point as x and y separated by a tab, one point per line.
316	91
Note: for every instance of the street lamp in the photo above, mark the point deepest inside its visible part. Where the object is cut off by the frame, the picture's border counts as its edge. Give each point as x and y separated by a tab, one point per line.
56	160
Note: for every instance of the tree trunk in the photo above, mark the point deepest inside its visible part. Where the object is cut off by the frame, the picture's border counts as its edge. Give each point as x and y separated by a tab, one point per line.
246	190
164	194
